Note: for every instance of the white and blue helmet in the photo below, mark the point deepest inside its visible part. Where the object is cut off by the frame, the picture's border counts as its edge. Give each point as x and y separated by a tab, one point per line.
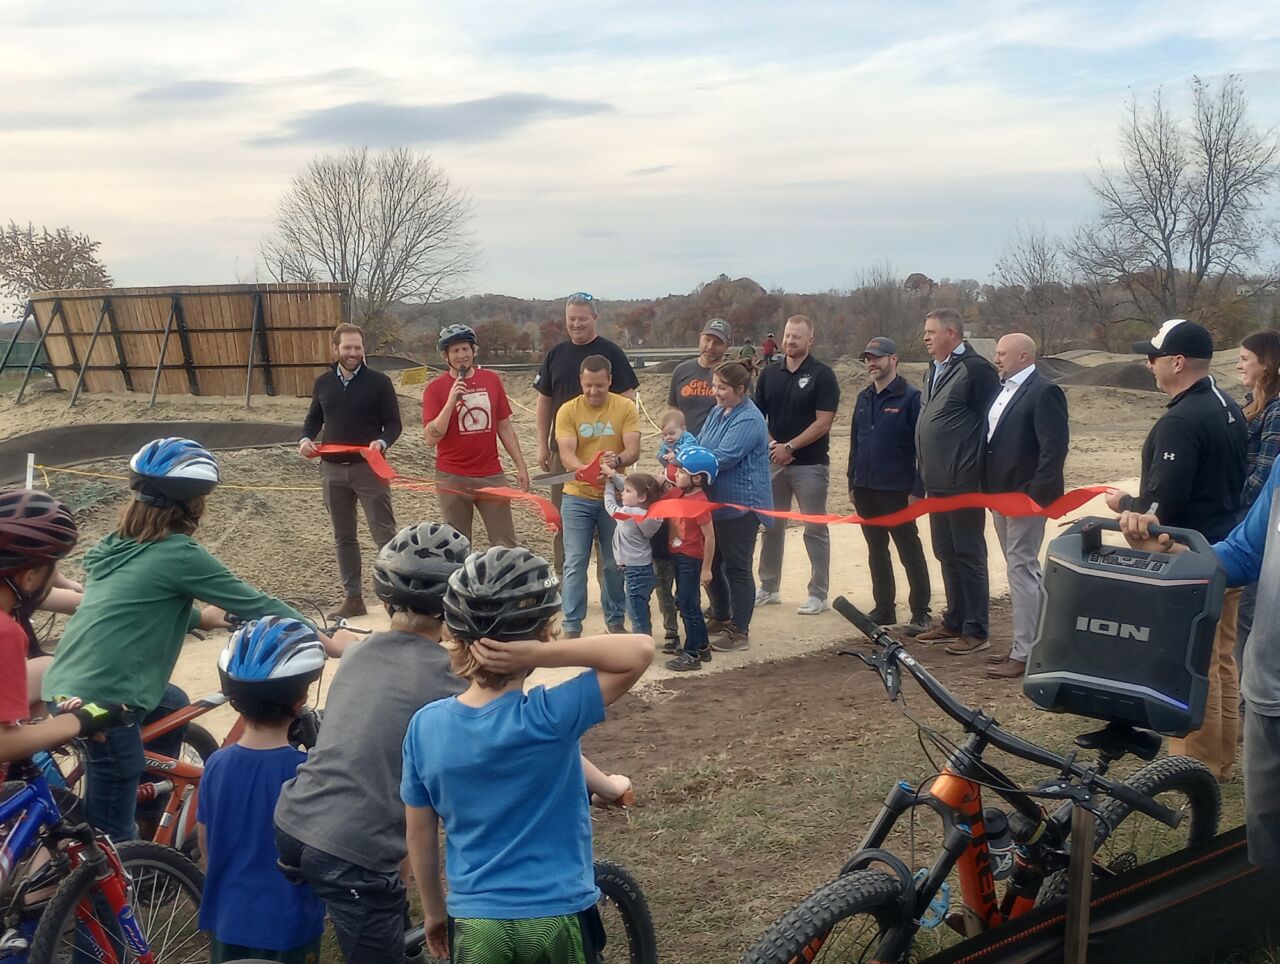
270	660
171	471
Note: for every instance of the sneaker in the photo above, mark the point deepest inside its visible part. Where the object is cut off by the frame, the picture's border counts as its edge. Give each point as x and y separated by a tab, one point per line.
617	629
883	618
919	624
939	634
766	598
704	654
684	663
968	644
732	640
812	606
671	646
717	626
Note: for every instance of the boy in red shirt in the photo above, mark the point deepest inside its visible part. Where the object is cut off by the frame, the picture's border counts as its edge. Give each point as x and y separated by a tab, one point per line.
465	412
36	530
693	545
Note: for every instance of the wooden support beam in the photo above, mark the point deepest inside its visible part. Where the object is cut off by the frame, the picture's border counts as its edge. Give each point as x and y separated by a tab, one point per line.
27	312
120	353
97	330
164	345
184	339
26	376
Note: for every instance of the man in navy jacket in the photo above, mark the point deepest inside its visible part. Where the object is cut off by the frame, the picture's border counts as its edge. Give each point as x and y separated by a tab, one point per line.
883	479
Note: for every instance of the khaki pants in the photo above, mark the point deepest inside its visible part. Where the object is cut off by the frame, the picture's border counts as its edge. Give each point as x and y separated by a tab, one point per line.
458	507
1214	744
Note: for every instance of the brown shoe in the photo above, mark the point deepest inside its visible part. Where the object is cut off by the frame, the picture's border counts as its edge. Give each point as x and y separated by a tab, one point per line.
732	640
1009	669
717	626
995	659
351	606
968	644
939	634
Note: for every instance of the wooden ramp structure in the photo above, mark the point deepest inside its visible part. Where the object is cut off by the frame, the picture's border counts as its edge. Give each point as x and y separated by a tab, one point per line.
255	339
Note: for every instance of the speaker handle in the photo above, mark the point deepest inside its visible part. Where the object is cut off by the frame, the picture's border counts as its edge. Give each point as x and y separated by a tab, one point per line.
1090	528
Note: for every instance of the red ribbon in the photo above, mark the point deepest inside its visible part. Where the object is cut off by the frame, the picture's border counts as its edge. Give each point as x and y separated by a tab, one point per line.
1006	503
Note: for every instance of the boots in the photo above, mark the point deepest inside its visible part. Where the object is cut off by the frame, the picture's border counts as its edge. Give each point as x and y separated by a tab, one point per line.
351	606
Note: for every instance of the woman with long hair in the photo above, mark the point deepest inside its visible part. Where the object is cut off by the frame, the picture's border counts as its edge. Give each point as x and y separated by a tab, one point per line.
1259	368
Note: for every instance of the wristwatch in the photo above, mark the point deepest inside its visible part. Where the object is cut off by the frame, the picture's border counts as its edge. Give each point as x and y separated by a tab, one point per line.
787	446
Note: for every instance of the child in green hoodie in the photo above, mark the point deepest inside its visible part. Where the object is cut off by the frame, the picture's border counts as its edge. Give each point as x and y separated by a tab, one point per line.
124	640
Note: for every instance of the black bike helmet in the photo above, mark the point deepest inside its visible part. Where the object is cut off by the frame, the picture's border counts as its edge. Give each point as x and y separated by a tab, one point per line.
35	528
452	334
412	570
503	594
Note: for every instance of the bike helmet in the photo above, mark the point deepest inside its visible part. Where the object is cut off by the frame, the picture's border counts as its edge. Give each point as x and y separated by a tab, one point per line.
171	471
271	660
413	569
452	334
503	594
35	528
697	460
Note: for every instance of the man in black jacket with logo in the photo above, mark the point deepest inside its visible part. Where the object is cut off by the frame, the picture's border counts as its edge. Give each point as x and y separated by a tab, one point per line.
960	386
356	406
1026	447
883	479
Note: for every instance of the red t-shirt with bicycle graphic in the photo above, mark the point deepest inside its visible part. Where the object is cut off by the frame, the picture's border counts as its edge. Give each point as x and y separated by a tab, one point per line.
470	447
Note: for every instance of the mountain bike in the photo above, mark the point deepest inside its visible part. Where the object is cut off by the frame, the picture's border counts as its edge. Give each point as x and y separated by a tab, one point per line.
96	912
624	912
877	907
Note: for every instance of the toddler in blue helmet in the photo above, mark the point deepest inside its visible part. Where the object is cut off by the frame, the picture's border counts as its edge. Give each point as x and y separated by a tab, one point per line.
693	545
248	907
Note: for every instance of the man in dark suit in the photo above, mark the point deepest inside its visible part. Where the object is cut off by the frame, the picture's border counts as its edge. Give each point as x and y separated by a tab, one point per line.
1026	447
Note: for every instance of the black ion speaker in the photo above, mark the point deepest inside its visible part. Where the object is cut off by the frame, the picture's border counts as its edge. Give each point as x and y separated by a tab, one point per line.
1126	635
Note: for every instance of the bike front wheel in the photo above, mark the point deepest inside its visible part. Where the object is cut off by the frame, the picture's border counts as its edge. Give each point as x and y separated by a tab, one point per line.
843	921
624	912
78	923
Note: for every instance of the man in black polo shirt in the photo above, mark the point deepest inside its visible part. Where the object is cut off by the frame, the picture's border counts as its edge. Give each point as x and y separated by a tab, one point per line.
1193	470
557	382
356	406
883	478
798	399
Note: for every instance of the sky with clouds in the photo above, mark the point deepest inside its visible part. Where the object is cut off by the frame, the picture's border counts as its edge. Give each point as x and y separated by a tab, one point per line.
627	148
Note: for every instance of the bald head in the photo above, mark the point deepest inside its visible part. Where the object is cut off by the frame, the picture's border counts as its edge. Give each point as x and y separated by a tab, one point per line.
1014	352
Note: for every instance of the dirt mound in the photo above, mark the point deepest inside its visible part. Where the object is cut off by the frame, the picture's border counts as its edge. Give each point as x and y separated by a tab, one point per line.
391	363
1130	375
1058	368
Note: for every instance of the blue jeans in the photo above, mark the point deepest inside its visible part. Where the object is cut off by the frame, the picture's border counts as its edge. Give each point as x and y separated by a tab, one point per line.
583	519
640	582
689	602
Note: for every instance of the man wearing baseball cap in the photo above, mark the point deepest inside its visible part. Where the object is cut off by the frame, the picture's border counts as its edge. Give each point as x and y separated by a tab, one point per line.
1193	469
883	478
691	381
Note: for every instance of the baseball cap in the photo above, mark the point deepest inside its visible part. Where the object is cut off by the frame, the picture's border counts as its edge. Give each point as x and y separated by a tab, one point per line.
720	328
880	347
1177	336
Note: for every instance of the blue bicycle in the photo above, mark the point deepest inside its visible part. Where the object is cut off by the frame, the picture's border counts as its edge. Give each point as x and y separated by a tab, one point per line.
104	901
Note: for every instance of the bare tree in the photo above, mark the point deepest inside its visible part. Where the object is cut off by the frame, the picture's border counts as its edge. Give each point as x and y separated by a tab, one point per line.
1182	216
32	260
390	223
1035	269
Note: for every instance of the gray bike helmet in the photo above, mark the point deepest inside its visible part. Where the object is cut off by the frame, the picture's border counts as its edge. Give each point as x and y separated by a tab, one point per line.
503	594
452	334
412	570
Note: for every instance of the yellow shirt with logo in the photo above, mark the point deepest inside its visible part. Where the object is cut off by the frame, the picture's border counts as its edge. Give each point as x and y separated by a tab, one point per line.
597	430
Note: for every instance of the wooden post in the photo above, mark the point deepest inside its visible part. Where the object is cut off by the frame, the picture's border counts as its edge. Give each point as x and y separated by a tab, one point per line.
97	330
44	333
1079	886
164	346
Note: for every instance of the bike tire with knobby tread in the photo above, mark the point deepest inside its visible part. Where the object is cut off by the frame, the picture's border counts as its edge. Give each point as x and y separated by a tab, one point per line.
618	886
860	892
204	743
1172	773
80	883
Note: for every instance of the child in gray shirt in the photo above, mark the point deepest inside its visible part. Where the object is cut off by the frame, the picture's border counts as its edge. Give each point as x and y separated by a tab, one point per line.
627	499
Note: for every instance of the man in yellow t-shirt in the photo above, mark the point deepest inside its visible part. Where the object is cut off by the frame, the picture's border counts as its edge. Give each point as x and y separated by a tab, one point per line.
596	421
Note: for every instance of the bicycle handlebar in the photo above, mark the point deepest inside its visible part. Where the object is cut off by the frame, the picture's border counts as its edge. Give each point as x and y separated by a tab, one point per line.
894	655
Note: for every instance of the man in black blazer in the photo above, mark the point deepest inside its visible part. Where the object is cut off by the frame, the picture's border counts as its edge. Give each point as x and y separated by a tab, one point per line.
1025	449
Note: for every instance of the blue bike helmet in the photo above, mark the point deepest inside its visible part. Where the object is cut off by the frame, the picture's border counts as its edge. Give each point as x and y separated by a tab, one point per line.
452	334
172	471
271	660
697	460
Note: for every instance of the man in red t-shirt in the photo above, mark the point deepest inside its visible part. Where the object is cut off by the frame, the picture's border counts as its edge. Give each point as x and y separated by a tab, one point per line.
465	412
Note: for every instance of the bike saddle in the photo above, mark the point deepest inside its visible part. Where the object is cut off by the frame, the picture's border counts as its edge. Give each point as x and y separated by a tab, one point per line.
1116	739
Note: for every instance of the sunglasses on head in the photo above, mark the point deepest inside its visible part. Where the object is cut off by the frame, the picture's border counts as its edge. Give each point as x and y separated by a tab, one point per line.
578	297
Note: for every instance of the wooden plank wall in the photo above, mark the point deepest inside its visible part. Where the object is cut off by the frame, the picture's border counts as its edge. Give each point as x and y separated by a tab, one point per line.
219	319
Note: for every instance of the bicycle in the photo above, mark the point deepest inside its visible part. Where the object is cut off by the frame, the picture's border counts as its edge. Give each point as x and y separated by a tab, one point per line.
874	914
96	908
624	912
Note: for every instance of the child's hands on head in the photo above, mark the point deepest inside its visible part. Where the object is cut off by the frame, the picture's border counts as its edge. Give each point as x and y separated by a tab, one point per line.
506	658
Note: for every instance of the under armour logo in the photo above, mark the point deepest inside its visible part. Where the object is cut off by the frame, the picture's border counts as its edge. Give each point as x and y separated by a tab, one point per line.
1231	419
1169	456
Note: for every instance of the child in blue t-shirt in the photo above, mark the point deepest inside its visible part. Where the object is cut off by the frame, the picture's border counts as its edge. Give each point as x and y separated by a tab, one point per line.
248	907
502	769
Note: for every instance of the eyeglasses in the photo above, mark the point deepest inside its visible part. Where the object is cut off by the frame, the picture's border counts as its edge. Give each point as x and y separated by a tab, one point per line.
580	298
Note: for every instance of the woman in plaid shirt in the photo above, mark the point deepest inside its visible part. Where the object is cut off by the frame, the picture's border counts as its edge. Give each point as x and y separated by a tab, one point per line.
736	432
1259	368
